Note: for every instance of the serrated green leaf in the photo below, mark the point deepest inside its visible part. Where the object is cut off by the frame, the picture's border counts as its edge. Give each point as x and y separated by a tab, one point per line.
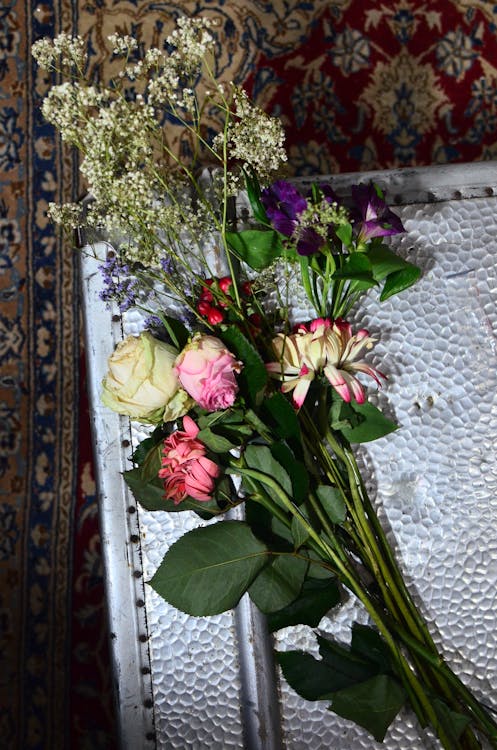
332	502
372	704
316	598
208	569
258	248
279	583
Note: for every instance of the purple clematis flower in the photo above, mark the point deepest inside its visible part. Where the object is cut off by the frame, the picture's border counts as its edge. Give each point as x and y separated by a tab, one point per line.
284	204
373	216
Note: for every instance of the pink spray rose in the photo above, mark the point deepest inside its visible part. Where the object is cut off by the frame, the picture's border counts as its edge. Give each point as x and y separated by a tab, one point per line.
186	470
206	370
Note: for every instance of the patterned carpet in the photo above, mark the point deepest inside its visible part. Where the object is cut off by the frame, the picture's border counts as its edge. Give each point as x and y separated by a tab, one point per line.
359	85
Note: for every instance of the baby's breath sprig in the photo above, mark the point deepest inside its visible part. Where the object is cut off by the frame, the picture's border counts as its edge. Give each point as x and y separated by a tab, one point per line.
130	132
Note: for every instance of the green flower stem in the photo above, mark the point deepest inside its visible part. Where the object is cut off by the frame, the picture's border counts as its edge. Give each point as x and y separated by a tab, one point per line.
440	665
306	282
419	699
441	674
396	599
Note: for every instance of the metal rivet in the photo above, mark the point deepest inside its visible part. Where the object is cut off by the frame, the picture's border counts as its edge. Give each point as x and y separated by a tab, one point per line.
140	603
131	509
134	538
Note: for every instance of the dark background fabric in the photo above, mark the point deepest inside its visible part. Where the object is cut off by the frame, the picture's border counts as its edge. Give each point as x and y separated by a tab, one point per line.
359	85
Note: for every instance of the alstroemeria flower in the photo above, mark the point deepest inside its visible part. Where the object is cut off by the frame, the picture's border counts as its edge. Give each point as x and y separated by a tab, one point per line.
373	217
186	470
323	347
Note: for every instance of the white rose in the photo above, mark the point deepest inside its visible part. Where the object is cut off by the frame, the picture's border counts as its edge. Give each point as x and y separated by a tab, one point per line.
141	382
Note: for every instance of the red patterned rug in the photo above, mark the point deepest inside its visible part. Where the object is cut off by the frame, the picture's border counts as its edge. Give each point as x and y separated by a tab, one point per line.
359	85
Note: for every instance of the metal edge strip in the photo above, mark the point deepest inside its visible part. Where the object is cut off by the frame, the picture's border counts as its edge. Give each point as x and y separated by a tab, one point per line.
430	184
117	510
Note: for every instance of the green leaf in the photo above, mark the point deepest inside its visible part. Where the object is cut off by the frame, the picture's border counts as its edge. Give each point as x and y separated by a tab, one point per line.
352	667
372	704
253	377
312	679
295	470
254	196
357	269
369	644
398	273
178	333
344	233
260	457
278	584
259	248
213	441
372	426
332	502
208	569
453	723
286	423
150	495
145	446
399	281
299	532
316	598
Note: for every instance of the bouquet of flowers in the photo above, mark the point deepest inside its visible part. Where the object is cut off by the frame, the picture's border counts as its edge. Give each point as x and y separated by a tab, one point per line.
248	372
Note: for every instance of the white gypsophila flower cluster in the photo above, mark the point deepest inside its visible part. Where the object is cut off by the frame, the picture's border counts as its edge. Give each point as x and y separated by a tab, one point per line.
122	44
192	42
70	51
66	106
68	215
116	141
152	58
164	88
323	215
255	138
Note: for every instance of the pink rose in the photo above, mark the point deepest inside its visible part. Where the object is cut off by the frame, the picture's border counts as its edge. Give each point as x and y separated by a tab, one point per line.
206	370
186	470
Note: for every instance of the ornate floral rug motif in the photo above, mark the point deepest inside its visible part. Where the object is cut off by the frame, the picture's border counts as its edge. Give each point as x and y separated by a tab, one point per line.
359	85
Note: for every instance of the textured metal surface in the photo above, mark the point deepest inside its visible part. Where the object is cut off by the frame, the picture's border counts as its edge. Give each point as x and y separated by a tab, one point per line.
434	481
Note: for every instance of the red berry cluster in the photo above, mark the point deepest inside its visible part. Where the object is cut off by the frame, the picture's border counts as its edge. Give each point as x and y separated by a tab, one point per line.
215	300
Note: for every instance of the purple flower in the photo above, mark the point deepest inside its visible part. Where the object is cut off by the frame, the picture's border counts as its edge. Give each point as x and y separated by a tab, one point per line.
119	284
284	205
373	216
